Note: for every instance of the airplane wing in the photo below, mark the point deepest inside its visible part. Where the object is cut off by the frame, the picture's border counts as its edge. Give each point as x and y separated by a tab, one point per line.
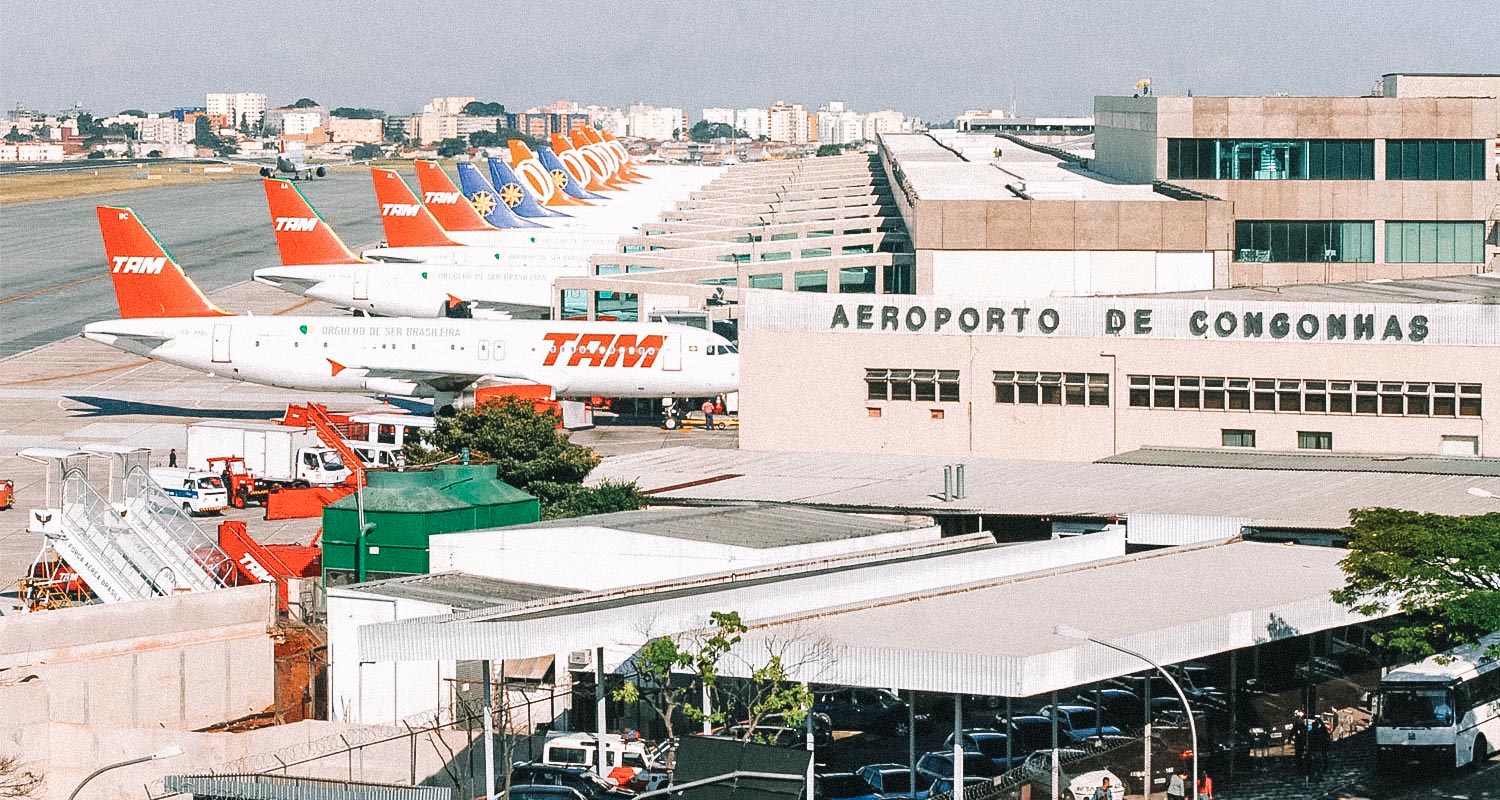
444	381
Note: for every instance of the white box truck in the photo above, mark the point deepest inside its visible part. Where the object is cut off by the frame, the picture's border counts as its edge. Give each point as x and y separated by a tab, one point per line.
273	454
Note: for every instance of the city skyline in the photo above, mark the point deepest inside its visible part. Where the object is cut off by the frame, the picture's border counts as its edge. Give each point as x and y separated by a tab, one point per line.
952	57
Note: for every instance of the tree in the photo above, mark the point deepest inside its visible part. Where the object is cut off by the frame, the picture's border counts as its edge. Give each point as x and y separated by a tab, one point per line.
448	148
362	152
1441	572
485	139
345	112
651	669
15	135
530	454
97	154
305	102
203	133
133	112
829	150
154	154
704	131
482	109
16	782
86	124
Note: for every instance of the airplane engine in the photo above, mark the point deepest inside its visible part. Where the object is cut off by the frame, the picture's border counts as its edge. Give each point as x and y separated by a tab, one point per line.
321	172
265	172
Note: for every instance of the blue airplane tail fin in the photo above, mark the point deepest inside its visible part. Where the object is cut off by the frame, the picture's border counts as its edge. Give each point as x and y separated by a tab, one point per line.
510	187
488	202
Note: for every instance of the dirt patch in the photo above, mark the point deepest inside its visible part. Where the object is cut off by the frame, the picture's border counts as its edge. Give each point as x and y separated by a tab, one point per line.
104	180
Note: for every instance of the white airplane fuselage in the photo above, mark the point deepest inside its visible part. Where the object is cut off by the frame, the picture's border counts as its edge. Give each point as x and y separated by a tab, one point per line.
415	358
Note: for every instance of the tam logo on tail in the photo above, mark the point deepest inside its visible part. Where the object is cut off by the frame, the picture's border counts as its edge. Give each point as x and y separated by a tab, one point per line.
138	265
296	223
399	209
442	198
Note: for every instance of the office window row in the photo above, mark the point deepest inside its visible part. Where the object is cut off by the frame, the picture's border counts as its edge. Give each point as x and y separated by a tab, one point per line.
1303	241
1434	159
935	385
1383	398
1271	159
1052	388
1306	440
1434	242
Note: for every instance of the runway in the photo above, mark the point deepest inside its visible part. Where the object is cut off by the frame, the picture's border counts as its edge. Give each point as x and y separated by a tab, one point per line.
53	278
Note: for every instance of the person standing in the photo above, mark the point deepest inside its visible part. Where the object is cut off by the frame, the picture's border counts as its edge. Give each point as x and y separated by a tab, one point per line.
1205	787
708	415
1102	793
1177	786
172	457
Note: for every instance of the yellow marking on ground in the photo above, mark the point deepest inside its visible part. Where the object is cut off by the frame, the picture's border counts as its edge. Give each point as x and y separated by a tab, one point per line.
52	288
293	307
99	371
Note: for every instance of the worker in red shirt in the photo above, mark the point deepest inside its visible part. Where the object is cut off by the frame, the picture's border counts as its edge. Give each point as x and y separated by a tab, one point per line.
708	415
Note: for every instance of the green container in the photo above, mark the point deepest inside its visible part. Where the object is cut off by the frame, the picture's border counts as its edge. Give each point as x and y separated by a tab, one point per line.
408	507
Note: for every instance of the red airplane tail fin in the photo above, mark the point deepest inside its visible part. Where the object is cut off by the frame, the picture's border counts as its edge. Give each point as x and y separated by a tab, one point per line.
447	204
302	236
148	283
407	223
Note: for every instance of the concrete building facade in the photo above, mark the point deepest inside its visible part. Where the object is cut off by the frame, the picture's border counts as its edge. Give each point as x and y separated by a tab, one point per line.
1325	189
239	108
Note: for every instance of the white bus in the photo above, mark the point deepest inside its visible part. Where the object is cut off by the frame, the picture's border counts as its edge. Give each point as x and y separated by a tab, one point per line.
1445	709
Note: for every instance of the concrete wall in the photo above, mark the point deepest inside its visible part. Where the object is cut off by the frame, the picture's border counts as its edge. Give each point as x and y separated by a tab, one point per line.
1398	85
1073	225
1051	273
369	693
175	663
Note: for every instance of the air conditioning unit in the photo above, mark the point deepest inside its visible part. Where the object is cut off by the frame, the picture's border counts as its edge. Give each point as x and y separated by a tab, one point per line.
580	660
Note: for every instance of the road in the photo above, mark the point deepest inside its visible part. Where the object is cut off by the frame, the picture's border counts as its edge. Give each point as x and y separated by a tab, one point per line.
53	279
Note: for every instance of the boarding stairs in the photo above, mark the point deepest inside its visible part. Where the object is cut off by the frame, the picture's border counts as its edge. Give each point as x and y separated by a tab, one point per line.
188	559
90	542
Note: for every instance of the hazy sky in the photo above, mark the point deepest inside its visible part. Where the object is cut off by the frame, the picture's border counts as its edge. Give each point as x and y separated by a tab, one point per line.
933	59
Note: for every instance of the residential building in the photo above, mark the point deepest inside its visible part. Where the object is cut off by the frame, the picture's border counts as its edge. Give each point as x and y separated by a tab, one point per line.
241	109
447	105
787	122
656	123
365	131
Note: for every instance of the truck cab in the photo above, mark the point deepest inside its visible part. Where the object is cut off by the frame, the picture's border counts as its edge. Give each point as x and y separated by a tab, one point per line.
378	455
320	466
194	491
629	762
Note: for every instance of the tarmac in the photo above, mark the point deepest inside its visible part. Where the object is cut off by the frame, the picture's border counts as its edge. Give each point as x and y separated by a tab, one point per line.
54	278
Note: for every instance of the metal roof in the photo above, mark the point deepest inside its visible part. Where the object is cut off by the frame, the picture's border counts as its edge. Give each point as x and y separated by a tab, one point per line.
457	590
1471	289
631	615
759	525
1269	498
285	787
1317	462
1173	605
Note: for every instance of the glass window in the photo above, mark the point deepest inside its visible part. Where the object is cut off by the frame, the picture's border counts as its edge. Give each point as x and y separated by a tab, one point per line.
857	280
1235	437
815	280
575	303
617	306
1140	391
924	382
901	278
1434	159
1098	389
817	252
1026	388
1469	404
1051	383
1434	242
1314	440
1270	159
921	384
947	382
726	281
1005	387
1213	393
1304	241
877	384
779	237
768	281
783	255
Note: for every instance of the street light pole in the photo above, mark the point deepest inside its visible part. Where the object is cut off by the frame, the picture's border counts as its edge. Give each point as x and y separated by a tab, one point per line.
1074	633
169	751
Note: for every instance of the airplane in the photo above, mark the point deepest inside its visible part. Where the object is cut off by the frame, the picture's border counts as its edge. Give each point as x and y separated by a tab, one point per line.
548	184
291	162
429	276
463	223
164	316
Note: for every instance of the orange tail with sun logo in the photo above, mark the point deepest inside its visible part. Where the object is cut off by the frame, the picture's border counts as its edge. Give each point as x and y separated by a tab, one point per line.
447	204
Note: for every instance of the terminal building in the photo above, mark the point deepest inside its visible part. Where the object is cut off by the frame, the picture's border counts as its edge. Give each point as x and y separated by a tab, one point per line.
1258	273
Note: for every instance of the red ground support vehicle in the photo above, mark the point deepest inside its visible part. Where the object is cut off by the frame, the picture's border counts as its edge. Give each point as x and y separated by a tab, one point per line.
7	493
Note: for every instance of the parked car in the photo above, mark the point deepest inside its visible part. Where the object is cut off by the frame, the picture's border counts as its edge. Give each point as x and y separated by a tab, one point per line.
1073	784
584	781
892	781
532	791
1078	721
843	786
991	744
1121	708
857	709
822	726
1031	733
937	766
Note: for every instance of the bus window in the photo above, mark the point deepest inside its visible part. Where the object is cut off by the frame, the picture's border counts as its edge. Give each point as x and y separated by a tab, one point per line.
1417	707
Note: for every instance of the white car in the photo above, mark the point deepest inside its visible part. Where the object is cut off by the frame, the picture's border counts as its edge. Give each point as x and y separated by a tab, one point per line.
1074	785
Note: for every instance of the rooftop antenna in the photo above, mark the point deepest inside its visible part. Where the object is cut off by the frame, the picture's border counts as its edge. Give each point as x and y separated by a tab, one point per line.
1143	87
1012	102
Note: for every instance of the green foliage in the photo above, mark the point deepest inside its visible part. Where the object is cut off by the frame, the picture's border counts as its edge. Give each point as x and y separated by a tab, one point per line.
305	102
362	152
830	150
154	154
97	154
1442	572
87	124
498	138
560	500
203	133
345	112
482	109
15	135
133	112
448	148
705	131
531	454
698	654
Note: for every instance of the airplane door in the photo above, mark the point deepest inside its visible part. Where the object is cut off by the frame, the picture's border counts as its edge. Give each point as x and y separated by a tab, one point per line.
361	284
484	349
221	344
671	354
